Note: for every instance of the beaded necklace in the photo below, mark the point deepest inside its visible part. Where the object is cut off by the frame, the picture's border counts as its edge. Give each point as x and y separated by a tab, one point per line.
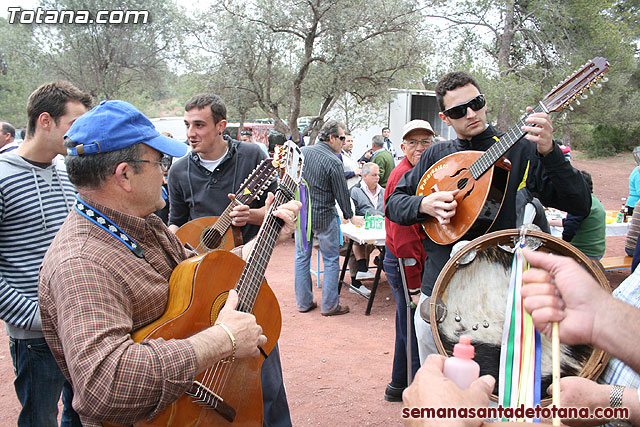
99	219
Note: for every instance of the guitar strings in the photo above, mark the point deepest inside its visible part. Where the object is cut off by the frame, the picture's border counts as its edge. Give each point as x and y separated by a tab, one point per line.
217	377
253	182
253	274
497	150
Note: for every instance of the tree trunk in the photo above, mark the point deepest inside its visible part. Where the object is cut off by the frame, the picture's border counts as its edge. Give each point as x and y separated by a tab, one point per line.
506	39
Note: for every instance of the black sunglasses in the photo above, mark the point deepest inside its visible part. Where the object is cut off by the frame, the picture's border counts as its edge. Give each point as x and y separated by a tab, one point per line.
460	110
342	138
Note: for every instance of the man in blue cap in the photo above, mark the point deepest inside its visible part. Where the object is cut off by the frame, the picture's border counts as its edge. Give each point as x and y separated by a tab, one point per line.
107	274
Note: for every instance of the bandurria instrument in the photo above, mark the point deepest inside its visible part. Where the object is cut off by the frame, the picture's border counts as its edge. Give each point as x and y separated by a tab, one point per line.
482	177
227	392
215	232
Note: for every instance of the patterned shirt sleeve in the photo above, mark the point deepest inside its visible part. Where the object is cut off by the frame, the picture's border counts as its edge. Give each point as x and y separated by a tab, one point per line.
115	379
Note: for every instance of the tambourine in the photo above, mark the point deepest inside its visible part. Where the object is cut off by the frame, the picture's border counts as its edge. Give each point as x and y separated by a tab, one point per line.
470	298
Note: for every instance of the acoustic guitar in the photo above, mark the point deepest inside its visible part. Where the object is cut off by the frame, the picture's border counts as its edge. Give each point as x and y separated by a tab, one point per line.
226	393
482	177
215	232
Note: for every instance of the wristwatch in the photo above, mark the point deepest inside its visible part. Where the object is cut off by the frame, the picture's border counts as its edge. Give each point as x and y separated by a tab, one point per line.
615	396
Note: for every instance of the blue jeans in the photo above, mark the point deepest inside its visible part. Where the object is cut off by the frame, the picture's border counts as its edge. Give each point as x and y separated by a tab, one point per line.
328	238
38	385
399	371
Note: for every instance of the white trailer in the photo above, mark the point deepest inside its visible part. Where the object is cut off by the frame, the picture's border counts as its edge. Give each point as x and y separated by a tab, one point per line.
405	105
411	104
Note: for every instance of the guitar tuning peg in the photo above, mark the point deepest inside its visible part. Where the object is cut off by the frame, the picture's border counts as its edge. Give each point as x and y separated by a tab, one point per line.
577	102
571	107
584	96
605	79
591	91
599	85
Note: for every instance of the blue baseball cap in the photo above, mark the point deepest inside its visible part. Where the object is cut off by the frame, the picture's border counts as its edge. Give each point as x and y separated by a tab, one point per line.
113	125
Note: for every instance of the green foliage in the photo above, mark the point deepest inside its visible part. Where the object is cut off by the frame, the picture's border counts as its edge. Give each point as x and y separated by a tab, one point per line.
19	71
112	60
608	140
284	59
298	58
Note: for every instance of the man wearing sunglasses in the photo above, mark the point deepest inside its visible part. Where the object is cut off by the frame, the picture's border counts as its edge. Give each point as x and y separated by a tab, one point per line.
326	184
536	163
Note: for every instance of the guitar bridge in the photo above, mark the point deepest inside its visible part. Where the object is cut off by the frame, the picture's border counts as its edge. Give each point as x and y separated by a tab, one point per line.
206	397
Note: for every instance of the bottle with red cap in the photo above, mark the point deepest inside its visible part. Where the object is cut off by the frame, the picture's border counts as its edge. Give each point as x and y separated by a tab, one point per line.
460	368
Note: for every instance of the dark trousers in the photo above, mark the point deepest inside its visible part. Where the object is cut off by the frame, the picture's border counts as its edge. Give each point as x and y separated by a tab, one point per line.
399	372
274	397
39	383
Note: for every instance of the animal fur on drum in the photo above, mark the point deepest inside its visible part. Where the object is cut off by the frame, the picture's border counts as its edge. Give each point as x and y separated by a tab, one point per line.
477	293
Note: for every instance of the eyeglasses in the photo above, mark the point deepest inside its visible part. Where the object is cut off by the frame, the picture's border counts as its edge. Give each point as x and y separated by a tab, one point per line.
165	163
342	138
460	110
424	142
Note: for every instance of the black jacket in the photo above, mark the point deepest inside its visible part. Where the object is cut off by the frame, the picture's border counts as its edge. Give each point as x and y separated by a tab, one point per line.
551	179
194	192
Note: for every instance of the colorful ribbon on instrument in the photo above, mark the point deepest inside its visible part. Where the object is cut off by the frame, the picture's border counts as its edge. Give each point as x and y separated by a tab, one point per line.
304	218
520	373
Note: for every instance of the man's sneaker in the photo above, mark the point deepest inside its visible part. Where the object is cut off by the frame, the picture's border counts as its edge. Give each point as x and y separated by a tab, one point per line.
393	393
365	275
361	290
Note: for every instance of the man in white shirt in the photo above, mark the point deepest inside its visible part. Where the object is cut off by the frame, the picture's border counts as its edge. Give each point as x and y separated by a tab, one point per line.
7	135
368	199
351	167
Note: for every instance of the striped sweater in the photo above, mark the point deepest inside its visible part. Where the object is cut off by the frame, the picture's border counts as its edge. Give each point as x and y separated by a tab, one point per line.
34	203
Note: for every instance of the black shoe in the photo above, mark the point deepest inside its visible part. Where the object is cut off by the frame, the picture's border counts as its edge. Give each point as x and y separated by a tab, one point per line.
393	393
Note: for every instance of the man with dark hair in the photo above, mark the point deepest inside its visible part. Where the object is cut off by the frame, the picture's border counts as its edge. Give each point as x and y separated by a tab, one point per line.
200	185
35	198
388	145
201	182
107	274
536	162
246	135
7	136
382	158
352	170
324	175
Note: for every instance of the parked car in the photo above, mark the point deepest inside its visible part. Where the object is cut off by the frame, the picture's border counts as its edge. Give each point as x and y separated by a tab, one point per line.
174	125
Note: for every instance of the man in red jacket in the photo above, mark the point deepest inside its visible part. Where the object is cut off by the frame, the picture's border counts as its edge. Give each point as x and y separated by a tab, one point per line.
405	242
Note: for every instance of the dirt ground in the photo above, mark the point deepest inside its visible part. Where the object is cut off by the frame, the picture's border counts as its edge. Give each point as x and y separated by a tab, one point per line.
336	368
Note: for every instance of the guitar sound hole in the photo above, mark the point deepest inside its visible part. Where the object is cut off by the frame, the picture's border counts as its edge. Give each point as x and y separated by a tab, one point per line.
217	305
462	183
211	239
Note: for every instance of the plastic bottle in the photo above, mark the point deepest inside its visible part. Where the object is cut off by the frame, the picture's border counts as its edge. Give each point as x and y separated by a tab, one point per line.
460	368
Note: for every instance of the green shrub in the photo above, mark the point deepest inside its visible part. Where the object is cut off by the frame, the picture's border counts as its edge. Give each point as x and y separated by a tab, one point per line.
607	140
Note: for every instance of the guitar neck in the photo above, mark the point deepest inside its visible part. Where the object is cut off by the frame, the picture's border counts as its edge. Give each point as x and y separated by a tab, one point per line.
503	145
251	279
253	186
